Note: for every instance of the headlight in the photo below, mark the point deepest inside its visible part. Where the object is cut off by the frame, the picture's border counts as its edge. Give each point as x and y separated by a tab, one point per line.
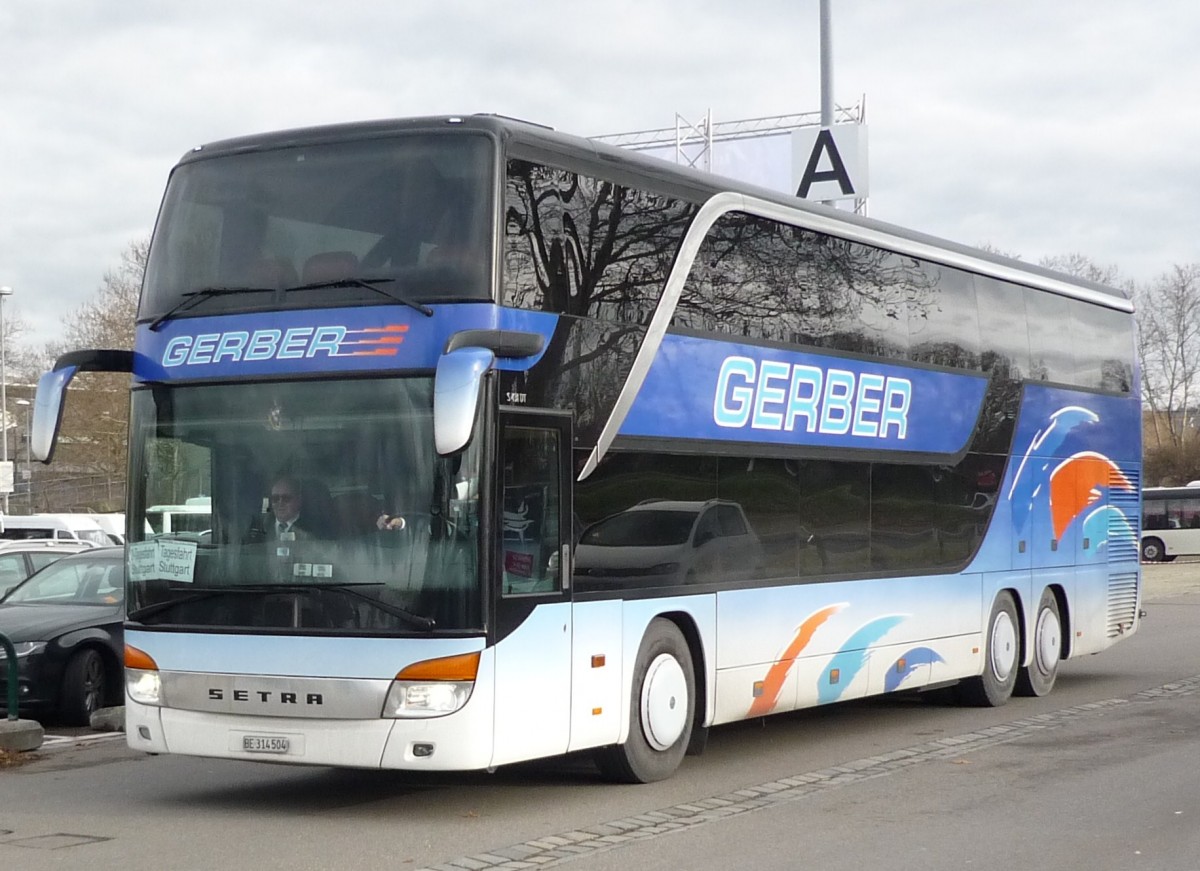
412	699
23	648
144	687
432	687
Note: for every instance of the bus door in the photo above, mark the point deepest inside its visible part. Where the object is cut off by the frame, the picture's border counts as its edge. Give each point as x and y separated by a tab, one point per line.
532	613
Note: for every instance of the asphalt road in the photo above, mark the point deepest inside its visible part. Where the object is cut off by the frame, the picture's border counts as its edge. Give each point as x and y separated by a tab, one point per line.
1098	775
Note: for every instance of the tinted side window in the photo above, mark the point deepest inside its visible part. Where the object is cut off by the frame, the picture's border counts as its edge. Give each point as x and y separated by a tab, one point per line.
923	517
758	278
587	246
1050	345
1003	328
943	318
1103	341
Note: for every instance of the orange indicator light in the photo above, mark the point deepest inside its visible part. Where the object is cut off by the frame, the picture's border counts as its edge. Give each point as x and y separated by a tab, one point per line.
135	658
456	668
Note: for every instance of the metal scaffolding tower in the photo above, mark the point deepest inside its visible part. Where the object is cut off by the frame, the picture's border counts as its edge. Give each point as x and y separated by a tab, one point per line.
693	141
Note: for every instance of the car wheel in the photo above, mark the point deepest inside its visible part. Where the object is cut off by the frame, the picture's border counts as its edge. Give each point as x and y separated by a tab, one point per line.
1000	659
1037	678
84	688
661	710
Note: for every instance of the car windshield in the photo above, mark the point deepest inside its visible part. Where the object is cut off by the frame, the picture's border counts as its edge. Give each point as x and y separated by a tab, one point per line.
400	218
641	527
324	507
73	582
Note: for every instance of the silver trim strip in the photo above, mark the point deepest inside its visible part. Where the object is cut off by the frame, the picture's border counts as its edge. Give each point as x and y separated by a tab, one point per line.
275	696
728	201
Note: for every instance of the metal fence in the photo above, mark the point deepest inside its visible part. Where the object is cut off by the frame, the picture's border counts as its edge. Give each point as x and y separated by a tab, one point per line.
89	493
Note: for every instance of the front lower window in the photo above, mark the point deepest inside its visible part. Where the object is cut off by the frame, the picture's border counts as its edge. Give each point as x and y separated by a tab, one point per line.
301	507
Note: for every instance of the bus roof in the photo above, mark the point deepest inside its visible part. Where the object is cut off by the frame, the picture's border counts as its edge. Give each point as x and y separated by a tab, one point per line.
683	182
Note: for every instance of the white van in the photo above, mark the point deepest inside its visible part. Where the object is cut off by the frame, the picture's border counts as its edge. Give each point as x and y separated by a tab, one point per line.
72	527
113	526
195	515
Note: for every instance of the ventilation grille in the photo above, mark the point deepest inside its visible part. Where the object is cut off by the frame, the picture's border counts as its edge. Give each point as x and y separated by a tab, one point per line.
1122	602
1122	535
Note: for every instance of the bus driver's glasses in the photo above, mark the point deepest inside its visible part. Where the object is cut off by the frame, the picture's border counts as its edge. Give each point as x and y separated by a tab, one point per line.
283	497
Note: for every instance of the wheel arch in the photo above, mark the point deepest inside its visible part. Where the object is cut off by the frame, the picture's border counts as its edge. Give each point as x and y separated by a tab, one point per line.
1064	619
1025	616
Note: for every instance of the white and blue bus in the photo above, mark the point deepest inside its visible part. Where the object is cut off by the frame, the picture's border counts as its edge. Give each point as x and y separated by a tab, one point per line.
592	452
1170	522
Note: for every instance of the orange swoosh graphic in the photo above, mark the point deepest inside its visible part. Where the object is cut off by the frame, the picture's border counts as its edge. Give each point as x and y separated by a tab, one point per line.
1073	486
773	683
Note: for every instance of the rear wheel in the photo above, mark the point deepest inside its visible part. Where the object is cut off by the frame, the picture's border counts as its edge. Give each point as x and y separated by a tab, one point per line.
662	707
1000	666
1037	678
84	688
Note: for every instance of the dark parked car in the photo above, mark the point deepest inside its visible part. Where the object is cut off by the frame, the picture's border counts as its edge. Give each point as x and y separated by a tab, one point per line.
65	622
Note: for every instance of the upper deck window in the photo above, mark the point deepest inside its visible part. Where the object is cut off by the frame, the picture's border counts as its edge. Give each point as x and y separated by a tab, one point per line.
293	227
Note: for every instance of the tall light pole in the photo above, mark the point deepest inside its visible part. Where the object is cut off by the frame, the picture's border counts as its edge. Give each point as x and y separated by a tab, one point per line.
27	471
4	292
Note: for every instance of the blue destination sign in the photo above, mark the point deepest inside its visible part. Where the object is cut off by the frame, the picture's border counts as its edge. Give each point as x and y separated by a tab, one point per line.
705	389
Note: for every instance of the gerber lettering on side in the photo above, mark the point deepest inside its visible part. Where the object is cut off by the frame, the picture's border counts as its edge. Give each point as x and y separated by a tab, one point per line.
786	397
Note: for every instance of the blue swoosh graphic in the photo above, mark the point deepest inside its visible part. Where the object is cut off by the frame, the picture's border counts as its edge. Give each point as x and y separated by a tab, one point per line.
853	656
913	659
1097	525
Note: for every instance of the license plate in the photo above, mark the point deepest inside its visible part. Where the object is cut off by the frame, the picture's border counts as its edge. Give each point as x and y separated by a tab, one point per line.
266	743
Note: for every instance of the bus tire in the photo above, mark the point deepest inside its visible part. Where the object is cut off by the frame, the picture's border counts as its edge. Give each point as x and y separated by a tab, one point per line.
662	706
1153	550
1000	658
1037	678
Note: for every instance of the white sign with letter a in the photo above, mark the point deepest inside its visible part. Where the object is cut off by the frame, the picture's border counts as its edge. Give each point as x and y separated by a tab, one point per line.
830	163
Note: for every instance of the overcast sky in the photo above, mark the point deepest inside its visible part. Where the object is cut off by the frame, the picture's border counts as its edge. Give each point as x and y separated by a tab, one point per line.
1040	127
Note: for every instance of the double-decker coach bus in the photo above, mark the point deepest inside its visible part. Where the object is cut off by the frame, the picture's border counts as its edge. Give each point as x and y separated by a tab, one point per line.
592	452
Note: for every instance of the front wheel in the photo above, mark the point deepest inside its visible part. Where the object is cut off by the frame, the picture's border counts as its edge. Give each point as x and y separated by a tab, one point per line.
84	688
662	707
1153	550
1001	660
1037	678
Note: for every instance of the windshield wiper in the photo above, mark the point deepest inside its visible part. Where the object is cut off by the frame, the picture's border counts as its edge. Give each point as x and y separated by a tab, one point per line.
159	607
371	284
418	620
195	297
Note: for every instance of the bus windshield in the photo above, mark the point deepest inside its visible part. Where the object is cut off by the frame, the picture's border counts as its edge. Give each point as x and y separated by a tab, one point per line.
349	223
330	510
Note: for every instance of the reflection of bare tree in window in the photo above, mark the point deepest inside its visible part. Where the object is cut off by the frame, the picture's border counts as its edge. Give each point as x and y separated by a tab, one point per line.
579	246
755	277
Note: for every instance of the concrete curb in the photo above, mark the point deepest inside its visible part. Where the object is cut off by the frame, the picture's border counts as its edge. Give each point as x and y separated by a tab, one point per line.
21	735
